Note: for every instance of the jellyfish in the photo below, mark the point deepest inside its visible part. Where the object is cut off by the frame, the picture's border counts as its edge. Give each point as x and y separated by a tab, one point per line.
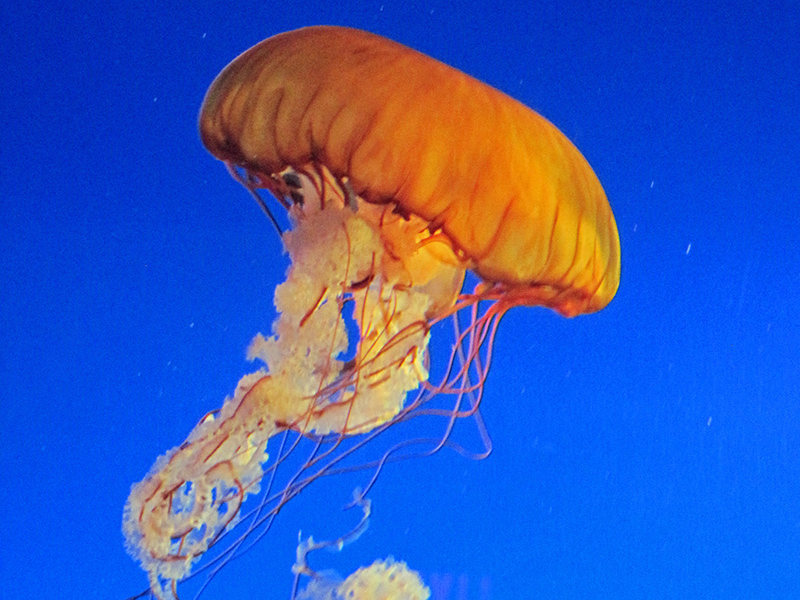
402	178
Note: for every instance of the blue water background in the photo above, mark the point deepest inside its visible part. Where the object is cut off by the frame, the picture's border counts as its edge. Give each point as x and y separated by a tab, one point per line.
649	451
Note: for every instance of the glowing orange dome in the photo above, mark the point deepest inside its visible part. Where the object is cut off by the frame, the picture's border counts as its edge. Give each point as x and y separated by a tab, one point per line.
509	191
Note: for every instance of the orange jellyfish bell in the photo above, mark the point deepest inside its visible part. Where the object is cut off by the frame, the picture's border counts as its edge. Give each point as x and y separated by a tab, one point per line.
506	189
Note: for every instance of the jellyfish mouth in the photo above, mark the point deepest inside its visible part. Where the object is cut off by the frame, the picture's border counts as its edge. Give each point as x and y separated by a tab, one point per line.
350	340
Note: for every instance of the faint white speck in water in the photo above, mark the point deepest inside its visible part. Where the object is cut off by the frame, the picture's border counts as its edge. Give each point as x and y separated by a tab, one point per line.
381	8
652	183
204	36
191	325
708	423
635	227
156	98
688	248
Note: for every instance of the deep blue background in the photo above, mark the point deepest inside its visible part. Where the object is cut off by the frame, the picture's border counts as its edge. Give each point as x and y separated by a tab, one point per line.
649	451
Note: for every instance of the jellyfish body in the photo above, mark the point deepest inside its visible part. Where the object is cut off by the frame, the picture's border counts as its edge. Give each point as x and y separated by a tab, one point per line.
399	174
